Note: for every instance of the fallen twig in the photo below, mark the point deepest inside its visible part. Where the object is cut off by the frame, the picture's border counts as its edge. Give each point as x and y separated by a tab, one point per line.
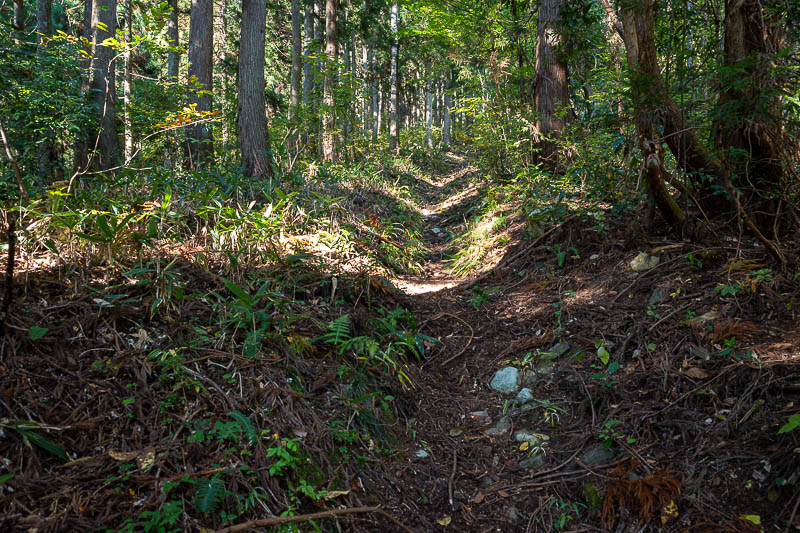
280	520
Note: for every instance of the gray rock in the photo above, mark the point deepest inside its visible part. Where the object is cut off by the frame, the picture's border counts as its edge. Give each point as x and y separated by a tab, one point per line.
644	262
480	417
524	436
503	426
524	396
533	462
556	351
700	352
658	296
505	380
597	455
513	515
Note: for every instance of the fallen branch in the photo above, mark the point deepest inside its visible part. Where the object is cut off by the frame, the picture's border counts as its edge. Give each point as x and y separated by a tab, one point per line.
280	520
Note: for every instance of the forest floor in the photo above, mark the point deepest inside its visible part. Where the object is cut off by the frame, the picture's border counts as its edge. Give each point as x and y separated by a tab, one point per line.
644	399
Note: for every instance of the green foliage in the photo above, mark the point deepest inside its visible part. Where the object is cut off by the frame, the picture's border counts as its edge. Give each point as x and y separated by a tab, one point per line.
209	494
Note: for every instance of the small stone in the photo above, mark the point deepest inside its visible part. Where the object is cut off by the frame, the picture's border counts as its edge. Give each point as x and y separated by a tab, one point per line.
524	436
503	426
532	463
658	296
557	350
594	257
644	262
505	380
597	455
480	417
422	454
524	396
700	352
513	515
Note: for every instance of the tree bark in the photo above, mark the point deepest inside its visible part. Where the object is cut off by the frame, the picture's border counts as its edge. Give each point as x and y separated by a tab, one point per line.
19	17
331	53
126	83
297	70
104	26
551	94
394	126
48	156
252	113
429	112
749	106
199	146
446	127
173	56
81	147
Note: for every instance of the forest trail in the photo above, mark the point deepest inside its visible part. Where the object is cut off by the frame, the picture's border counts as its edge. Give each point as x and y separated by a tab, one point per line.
598	412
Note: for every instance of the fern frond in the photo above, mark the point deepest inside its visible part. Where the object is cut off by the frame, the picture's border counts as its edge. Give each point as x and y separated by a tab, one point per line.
338	331
209	494
246	424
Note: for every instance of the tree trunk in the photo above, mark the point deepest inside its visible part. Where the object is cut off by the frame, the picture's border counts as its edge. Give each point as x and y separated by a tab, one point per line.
375	110
297	70
749	103
199	146
308	71
81	148
394	139
126	83
104	26
19	17
252	113
551	94
429	112
173	56
447	118
48	157
331	53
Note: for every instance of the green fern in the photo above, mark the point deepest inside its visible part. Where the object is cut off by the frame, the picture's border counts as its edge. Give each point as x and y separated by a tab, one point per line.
338	331
209	494
246	424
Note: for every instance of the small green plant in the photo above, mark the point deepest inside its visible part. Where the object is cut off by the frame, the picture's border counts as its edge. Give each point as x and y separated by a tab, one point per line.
792	424
727	289
610	435
694	261
608	368
563	512
287	455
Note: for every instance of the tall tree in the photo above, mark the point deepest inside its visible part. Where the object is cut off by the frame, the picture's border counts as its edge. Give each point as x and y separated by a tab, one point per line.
429	112
308	42
394	139
551	94
48	157
199	146
19	17
126	83
173	57
446	120
297	69
252	113
332	53
749	107
104	26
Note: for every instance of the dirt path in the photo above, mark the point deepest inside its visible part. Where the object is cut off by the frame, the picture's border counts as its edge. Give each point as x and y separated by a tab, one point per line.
575	432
